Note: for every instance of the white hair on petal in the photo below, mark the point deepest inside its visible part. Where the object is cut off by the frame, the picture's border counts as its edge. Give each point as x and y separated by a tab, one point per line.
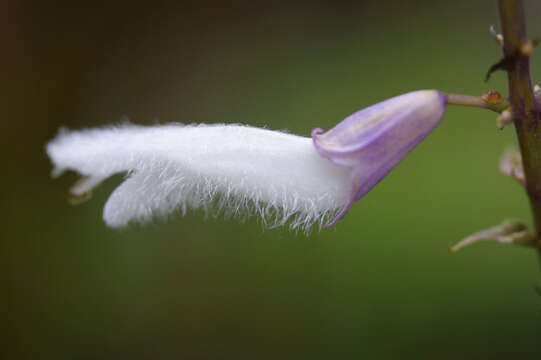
234	170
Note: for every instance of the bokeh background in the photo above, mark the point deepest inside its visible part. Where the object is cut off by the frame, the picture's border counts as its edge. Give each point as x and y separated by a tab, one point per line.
381	284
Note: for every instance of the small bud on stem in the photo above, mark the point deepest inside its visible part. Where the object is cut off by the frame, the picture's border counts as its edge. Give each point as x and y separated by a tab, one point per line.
509	232
495	35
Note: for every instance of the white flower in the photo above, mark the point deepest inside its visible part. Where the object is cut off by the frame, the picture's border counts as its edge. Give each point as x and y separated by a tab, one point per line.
218	168
240	170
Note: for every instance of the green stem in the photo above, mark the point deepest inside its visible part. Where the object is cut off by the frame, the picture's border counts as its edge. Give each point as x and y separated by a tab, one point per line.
525	109
476	101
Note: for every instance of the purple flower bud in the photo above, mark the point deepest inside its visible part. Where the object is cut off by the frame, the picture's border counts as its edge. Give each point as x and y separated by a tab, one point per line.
374	140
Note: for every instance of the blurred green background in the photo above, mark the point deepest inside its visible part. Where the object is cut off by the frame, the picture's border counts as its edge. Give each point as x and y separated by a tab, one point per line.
381	284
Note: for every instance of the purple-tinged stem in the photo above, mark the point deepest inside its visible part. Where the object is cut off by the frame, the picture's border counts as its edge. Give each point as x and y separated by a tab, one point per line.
525	107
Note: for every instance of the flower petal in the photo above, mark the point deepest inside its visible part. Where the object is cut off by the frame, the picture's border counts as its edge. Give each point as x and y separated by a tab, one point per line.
230	168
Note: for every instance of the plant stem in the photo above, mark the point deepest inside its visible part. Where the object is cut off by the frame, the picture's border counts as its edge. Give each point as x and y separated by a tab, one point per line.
476	101
525	108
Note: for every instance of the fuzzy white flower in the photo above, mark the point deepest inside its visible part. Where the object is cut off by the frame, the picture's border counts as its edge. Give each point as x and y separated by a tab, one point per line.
240	170
234	169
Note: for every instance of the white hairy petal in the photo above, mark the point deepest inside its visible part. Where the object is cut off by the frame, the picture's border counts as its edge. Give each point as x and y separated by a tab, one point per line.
232	168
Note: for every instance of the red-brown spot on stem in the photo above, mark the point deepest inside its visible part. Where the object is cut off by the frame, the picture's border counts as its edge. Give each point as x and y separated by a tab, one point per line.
492	97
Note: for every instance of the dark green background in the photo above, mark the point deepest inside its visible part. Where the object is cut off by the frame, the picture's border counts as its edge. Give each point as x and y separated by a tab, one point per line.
381	284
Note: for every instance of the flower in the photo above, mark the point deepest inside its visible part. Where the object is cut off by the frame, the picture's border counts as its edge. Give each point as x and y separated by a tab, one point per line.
234	169
371	142
238	169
